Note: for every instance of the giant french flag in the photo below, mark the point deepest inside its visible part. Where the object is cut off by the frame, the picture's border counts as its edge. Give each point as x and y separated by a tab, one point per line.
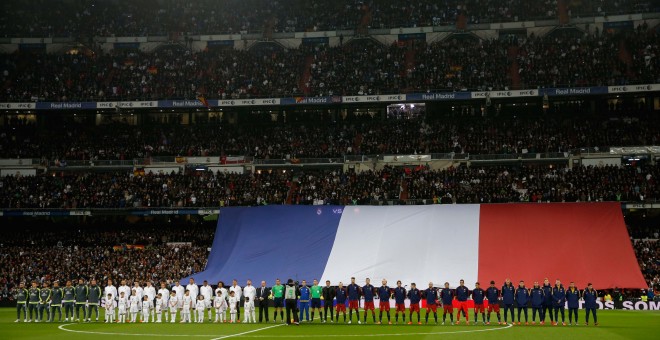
580	242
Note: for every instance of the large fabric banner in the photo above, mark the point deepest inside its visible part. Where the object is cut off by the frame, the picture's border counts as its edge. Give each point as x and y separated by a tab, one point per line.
580	242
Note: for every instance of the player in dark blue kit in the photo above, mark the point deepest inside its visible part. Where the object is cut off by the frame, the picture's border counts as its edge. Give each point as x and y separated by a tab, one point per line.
462	295
478	296
493	296
558	301
415	296
400	295
384	295
508	297
547	302
340	295
538	297
353	300
590	296
431	296
447	297
522	299
573	300
368	291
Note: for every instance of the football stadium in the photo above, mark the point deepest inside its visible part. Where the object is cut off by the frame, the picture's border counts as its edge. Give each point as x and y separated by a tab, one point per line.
286	169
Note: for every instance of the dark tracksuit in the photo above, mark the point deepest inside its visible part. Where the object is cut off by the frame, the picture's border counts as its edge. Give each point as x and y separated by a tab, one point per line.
431	296
328	294
340	294
590	303
400	294
384	294
33	303
508	298
447	297
522	299
547	303
573	299
415	297
56	303
493	296
558	301
368	293
81	300
68	300
21	297
44	299
94	297
478	296
538	297
305	295
353	295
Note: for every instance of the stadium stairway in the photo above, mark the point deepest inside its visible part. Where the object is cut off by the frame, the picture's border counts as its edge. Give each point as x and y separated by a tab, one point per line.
293	187
625	56
512	55
363	26
306	74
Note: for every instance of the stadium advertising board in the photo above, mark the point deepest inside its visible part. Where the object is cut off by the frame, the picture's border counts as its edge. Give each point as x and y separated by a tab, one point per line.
383	98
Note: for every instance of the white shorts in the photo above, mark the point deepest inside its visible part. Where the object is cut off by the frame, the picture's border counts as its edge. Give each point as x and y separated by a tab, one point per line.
122	309
134	309
208	303
249	306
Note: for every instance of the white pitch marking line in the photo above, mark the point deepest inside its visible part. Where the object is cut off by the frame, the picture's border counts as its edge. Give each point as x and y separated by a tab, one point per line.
371	335
248	332
61	327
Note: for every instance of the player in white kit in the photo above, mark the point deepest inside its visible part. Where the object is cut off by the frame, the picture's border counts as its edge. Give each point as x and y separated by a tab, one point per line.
165	294
180	291
187	306
150	291
109	308
147	308
134	302
220	305
174	306
122	304
250	293
207	292
158	308
233	306
201	305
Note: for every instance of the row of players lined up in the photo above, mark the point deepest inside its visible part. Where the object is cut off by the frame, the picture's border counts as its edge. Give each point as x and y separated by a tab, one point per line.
194	299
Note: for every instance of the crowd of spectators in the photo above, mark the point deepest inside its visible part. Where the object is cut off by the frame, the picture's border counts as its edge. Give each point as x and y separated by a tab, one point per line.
323	138
69	252
648	257
461	184
358	67
148	18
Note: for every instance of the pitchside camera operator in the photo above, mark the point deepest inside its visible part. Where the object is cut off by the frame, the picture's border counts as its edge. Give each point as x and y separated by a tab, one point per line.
290	293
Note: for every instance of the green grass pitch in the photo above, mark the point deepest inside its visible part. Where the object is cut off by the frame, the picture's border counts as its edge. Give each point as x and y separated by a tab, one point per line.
613	325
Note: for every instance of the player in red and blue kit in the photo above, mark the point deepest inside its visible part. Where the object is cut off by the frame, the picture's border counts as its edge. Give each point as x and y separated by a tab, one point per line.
368	291
508	297
522	299
547	302
590	296
384	295
462	295
573	300
415	296
493	296
431	296
538	297
558	301
400	295
340	295
353	300
478	296
447	297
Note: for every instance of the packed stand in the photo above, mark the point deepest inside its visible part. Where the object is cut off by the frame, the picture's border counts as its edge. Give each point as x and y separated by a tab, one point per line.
170	72
70	252
145	18
557	132
453	185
